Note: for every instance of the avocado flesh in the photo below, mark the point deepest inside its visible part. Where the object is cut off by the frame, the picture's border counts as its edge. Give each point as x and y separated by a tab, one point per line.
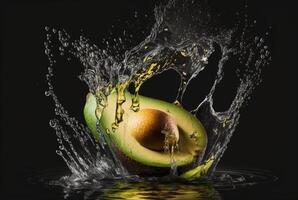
189	149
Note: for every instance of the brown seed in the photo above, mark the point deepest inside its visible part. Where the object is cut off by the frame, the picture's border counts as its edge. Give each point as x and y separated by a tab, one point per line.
150	126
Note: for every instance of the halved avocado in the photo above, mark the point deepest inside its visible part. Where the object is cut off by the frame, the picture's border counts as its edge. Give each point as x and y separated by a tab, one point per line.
137	157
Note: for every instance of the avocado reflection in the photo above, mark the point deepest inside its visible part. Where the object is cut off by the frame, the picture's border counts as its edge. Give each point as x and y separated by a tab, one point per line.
154	190
162	188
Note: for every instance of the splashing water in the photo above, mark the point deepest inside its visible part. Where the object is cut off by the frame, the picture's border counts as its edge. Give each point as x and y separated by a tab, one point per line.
182	39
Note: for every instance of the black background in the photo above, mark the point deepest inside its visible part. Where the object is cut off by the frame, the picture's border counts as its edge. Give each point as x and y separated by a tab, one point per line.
266	137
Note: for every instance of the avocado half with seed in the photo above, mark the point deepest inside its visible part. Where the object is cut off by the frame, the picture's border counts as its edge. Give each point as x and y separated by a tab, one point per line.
139	140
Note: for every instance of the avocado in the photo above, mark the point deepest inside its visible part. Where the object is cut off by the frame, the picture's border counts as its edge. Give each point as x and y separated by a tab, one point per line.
139	140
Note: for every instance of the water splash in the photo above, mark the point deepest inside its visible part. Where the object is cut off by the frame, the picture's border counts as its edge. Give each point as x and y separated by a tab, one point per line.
155	188
182	39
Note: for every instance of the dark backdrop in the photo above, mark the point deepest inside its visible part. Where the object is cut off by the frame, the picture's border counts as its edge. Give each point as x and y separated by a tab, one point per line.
266	137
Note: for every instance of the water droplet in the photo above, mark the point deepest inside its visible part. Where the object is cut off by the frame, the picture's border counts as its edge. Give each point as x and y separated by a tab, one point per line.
59	152
53	123
65	44
47	51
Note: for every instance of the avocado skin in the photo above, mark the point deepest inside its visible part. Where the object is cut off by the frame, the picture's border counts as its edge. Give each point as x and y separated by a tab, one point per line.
132	166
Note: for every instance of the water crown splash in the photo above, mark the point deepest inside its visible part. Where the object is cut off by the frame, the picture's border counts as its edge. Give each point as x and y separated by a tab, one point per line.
182	39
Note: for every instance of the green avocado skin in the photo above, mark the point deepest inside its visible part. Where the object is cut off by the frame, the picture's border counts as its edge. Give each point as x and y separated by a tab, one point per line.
89	114
133	165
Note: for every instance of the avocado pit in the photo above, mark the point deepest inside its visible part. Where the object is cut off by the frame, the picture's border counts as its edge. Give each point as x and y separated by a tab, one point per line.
153	129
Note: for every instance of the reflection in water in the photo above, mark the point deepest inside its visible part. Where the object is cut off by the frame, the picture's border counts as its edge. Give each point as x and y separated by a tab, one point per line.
135	187
146	190
161	191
